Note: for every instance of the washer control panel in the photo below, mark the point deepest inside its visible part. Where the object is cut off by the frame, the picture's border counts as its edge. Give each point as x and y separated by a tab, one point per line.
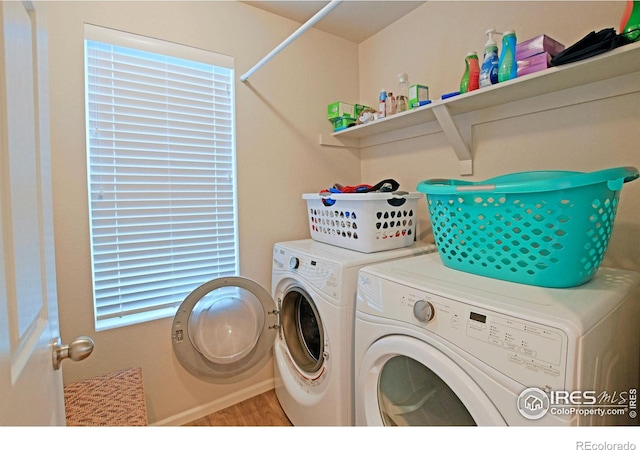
320	273
531	353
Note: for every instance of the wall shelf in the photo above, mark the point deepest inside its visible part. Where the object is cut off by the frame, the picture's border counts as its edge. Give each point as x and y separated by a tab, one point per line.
614	73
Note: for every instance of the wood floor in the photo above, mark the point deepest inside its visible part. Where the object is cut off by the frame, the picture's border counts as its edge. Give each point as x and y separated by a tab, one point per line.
262	410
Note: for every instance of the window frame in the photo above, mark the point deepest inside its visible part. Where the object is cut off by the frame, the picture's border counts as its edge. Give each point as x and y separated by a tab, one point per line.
174	50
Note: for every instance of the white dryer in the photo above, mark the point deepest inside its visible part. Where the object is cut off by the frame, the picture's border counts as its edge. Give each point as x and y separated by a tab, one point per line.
224	330
436	346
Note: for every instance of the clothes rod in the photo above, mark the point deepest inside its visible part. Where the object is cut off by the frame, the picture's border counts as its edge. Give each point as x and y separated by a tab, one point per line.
308	24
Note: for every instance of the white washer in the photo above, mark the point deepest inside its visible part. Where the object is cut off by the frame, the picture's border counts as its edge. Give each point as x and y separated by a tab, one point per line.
224	330
436	346
315	287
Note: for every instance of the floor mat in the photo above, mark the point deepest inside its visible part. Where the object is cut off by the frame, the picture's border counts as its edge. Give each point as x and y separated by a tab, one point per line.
115	399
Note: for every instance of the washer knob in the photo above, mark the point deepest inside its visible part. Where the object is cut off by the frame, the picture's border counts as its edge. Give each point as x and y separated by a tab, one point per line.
424	311
294	262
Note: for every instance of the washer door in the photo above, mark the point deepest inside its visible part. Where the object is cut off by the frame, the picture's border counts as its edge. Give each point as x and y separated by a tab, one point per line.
405	381
224	328
303	330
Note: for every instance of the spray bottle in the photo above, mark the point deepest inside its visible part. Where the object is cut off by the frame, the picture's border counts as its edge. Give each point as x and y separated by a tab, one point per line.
489	70
470	79
630	22
508	65
402	99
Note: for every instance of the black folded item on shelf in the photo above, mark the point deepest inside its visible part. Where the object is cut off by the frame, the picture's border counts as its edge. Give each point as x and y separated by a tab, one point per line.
594	43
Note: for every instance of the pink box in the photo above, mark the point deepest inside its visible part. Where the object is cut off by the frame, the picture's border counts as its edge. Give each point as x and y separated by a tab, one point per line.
536	45
534	63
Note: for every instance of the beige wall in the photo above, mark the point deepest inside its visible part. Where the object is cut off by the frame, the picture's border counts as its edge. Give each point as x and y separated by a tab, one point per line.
430	46
279	114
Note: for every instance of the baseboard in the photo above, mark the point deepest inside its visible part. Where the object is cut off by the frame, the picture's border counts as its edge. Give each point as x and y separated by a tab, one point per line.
216	405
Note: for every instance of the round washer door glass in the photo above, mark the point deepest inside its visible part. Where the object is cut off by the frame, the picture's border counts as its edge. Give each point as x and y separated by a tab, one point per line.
224	327
407	381
303	330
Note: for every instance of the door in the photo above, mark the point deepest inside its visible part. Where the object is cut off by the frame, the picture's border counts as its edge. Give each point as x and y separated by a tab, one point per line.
406	381
225	329
30	389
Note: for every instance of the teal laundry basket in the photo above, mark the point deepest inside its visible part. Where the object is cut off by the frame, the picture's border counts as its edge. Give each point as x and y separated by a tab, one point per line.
542	228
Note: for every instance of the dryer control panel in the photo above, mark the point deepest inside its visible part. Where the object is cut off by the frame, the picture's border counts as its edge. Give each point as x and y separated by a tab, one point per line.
535	348
530	353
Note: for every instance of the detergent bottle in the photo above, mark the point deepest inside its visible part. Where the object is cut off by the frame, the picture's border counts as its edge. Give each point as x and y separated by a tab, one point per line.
489	70
382	102
630	23
471	78
390	104
507	65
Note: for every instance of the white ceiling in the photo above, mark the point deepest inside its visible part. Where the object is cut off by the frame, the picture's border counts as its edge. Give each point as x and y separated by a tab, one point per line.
355	20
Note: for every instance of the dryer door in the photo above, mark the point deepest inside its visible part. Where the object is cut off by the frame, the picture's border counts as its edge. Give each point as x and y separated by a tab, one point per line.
406	381
225	328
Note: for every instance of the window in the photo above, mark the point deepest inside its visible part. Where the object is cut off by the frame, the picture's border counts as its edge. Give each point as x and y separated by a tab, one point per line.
161	165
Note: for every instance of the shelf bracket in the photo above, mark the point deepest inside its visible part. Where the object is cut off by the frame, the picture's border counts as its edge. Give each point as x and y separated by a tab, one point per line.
452	133
327	140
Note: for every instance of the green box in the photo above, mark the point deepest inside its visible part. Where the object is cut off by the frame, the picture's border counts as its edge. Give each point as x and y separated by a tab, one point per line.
342	123
417	94
358	109
337	110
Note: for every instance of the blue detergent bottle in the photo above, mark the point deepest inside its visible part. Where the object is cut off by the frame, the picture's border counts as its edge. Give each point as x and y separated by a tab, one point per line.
382	104
489	70
508	65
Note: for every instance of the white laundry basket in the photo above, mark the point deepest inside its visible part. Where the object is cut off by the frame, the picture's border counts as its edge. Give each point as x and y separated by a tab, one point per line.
366	222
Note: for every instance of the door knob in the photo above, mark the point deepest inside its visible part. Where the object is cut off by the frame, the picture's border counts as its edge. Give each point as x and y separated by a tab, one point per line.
77	350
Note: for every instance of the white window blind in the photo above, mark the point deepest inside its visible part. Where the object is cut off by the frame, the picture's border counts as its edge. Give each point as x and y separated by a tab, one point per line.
161	164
